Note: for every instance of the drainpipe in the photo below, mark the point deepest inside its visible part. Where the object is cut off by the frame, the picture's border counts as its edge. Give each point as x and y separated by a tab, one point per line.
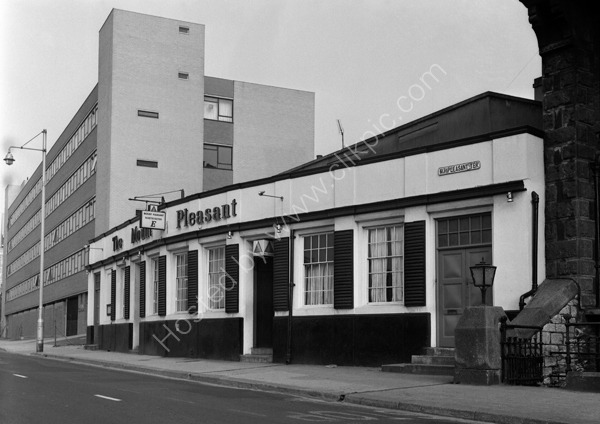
597	217
288	353
535	202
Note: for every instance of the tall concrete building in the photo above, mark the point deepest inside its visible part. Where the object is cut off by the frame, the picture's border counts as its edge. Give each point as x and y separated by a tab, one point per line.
154	126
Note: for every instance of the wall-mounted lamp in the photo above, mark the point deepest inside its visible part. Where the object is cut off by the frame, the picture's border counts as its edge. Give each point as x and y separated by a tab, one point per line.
262	194
229	234
483	277
278	228
509	197
121	262
108	309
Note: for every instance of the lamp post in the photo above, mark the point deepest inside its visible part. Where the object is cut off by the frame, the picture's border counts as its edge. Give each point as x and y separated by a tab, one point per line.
483	277
9	159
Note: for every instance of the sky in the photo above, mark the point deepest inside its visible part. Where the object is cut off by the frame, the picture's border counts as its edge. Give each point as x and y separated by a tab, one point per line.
365	60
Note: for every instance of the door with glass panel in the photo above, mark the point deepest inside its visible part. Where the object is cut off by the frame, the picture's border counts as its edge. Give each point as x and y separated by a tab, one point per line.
462	242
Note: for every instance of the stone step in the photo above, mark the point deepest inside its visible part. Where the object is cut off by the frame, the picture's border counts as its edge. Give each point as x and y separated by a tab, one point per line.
90	347
419	369
439	351
261	351
432	360
263	359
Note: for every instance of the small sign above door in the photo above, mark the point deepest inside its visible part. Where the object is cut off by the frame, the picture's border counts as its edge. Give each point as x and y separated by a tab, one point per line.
461	167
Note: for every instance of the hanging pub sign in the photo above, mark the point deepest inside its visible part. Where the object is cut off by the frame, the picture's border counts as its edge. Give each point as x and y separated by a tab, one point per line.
461	167
152	219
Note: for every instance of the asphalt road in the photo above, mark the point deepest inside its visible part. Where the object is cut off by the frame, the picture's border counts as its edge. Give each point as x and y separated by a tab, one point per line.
43	391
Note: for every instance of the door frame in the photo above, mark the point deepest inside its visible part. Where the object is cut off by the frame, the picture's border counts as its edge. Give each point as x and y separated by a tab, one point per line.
465	248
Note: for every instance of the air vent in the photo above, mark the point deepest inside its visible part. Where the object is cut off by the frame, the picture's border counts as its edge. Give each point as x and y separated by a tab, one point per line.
148	114
184	30
183	75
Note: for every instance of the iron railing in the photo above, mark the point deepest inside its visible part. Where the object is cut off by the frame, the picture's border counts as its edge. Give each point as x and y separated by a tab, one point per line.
522	354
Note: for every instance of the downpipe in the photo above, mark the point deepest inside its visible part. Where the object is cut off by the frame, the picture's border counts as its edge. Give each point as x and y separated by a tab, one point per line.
288	350
535	207
597	218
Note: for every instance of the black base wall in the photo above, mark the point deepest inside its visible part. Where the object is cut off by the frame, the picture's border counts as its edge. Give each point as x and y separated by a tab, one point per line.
354	340
209	338
115	337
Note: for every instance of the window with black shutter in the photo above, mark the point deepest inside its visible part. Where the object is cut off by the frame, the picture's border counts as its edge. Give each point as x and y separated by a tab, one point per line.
126	292
192	291
142	288
232	269
414	263
343	269
113	294
281	274
162	286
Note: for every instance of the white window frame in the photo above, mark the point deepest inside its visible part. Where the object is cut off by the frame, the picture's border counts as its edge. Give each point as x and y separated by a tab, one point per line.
218	275
153	292
400	286
181	281
319	296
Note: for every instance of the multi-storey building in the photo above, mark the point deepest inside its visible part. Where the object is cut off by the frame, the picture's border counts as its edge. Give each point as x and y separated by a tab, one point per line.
154	126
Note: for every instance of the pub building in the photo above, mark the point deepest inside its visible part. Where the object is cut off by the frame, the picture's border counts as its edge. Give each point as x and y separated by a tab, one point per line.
360	257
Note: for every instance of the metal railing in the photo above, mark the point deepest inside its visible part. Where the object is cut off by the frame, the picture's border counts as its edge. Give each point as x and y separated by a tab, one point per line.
521	354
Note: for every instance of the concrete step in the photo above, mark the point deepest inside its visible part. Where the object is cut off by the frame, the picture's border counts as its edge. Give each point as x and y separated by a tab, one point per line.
90	347
439	351
432	360
261	351
264	359
419	369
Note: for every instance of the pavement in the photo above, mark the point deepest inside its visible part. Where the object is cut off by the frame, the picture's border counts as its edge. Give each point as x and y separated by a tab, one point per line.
428	394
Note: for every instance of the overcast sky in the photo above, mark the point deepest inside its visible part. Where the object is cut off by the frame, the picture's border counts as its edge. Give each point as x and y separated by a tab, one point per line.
364	59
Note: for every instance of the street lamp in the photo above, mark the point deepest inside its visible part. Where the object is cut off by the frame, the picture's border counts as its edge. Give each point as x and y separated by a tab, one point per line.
9	159
483	277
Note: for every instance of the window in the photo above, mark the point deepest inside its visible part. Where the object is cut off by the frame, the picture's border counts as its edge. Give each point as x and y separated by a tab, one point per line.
386	267
155	286
218	156
182	279
318	269
218	109
148	114
216	278
465	230
183	75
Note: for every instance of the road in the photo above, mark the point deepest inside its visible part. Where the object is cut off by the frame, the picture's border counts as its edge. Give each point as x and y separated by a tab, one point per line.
40	390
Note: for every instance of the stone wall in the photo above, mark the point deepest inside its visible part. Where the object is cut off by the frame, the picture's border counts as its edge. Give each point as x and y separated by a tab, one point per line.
554	337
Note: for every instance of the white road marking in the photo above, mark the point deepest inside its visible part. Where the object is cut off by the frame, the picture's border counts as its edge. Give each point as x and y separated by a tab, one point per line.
20	376
108	398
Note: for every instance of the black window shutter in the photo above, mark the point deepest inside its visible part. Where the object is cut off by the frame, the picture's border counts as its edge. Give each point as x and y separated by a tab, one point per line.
142	289
126	292
281	274
343	269
162	286
232	268
414	263
113	294
192	289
